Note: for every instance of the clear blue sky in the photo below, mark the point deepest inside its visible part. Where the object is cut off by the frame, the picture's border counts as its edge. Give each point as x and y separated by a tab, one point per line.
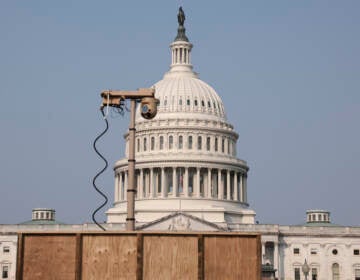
288	73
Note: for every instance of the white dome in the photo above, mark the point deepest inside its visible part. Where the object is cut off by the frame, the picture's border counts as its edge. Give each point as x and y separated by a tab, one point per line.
182	92
188	95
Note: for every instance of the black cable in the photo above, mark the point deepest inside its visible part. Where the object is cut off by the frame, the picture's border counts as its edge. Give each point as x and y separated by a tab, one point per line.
100	172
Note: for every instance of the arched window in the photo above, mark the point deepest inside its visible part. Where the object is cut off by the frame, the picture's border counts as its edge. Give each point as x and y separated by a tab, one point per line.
216	144
138	145
190	142
195	102
223	145
208	143
145	144
180	142
152	144
199	140
202	103
161	142
171	141
188	102
228	146
335	271
209	104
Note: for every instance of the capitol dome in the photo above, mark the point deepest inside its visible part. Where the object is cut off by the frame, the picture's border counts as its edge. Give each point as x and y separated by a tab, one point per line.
186	156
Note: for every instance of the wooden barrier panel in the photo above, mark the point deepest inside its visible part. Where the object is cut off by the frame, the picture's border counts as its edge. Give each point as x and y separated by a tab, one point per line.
60	249
138	255
168	257
109	257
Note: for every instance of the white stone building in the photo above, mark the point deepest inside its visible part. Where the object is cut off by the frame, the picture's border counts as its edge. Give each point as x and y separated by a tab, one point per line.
188	177
186	156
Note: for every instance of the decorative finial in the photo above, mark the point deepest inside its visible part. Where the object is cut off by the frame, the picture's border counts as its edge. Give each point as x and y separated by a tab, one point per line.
181	29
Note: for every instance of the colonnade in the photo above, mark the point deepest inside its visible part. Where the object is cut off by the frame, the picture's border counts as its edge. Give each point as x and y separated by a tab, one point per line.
195	182
181	55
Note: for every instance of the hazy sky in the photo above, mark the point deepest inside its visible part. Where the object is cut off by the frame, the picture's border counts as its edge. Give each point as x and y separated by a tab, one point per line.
288	73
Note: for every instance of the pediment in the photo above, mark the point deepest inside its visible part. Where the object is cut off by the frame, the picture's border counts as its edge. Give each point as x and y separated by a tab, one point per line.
181	222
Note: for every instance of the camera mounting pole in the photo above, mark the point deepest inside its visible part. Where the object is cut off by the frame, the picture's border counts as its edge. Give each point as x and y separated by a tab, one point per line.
113	98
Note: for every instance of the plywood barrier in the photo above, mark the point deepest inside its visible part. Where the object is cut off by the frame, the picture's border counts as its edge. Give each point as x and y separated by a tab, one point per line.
138	255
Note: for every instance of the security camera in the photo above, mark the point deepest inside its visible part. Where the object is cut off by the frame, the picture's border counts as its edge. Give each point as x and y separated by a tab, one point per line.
148	107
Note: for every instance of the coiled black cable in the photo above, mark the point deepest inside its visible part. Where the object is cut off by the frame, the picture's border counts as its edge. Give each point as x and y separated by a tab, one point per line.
100	172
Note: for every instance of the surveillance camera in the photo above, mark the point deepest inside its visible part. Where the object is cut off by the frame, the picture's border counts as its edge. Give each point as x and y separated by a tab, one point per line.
148	107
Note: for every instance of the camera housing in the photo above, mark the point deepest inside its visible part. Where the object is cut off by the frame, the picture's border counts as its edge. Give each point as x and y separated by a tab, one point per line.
148	107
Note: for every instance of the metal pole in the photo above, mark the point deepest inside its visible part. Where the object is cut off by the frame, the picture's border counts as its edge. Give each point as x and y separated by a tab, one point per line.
131	190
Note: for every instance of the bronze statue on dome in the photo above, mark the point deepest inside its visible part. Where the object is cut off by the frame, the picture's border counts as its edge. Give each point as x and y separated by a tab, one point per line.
181	17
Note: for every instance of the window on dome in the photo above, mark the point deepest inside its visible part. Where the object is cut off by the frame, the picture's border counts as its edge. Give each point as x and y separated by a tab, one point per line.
357	274
145	144
214	105
161	142
171	141
314	217
190	142
195	102
209	104
188	102
180	101
180	142
223	145
199	140
42	215
314	274
5	272
152	144
335	271
202	103
216	144
356	252
297	273
165	102
208	143
228	146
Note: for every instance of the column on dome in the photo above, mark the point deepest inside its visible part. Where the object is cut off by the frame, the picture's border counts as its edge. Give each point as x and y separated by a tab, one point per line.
197	185
151	185
220	186
209	188
174	182
146	183
263	252
125	185
141	184
241	187
116	193
276	256
186	182
245	189
163	188
121	186
228	183
236	194
118	186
